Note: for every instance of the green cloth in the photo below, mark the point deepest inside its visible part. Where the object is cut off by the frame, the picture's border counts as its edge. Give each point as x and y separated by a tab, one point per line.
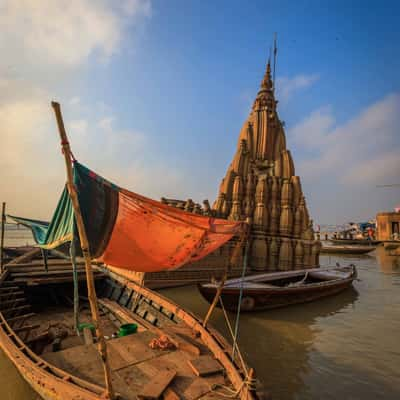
60	229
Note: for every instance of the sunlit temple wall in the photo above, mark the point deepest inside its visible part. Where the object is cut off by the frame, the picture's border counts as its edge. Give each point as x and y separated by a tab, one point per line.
261	186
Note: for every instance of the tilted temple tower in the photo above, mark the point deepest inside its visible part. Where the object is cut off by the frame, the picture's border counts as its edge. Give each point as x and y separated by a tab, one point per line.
261	186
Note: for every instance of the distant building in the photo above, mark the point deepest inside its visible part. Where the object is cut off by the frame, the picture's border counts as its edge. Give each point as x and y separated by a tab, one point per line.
388	225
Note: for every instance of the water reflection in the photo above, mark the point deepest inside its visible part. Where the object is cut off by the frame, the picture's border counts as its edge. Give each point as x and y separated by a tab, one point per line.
276	342
389	260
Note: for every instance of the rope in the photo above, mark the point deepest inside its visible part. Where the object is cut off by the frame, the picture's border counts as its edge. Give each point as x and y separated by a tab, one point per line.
72	253
251	384
233	336
240	299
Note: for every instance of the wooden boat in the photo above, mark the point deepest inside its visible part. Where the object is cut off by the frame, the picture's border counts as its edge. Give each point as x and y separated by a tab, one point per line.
36	333
365	242
279	289
173	355
347	249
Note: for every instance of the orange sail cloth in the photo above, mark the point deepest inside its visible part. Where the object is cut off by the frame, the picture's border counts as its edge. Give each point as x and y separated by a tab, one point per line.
150	236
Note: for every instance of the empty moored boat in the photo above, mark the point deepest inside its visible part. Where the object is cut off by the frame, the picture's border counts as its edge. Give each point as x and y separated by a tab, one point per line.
347	249
279	289
362	242
37	334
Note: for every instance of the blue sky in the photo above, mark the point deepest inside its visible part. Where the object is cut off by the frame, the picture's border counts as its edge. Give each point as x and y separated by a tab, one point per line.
154	94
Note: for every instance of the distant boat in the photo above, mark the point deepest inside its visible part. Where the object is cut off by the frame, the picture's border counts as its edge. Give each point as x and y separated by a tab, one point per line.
347	249
366	242
279	289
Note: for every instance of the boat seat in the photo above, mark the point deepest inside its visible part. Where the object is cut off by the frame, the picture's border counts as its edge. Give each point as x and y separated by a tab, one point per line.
251	285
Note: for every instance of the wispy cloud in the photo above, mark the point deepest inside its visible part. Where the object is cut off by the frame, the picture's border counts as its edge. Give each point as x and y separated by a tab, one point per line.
364	144
341	164
46	44
286	87
64	32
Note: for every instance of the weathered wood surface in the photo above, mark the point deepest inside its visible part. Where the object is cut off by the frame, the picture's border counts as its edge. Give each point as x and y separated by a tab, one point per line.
205	365
154	389
25	257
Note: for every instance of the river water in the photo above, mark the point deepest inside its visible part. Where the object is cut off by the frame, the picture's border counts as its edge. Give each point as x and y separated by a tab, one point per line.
344	347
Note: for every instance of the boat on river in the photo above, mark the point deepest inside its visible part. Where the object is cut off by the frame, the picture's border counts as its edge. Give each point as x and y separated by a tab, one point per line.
280	289
356	250
37	334
361	242
83	330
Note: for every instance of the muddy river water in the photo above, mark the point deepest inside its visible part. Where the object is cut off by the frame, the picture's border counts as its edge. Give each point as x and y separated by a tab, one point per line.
343	347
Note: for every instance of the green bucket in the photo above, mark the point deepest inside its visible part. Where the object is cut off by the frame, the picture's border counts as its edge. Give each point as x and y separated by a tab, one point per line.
127	329
85	325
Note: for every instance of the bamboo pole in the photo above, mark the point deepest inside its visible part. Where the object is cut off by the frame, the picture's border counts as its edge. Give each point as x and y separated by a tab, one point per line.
3	223
232	261
102	347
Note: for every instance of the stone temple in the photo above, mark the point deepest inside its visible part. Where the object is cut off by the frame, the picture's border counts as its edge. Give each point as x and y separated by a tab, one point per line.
260	185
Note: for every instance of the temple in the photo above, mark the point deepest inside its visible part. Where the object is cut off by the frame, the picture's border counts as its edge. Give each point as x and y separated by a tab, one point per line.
260	186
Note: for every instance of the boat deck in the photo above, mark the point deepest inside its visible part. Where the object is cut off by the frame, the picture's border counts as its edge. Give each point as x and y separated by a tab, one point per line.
188	371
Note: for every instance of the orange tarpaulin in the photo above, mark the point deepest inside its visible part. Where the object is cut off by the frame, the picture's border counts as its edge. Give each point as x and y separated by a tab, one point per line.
150	236
129	231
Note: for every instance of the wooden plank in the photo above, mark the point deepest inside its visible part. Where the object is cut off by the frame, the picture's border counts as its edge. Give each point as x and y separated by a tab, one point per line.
17	269
25	257
170	394
43	273
26	328
13	302
123	315
14	294
20	317
14	309
87	335
197	388
42	281
40	264
8	289
154	389
205	365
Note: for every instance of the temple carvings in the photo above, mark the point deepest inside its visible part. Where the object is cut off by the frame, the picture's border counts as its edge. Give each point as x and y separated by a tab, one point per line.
260	185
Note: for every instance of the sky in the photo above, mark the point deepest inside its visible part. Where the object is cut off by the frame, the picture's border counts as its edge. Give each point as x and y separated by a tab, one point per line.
154	93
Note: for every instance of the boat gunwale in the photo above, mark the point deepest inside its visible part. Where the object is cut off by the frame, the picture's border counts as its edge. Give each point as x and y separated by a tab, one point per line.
328	283
257	278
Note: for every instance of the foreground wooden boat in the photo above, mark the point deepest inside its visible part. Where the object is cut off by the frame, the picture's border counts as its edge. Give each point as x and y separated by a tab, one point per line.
273	290
362	242
347	249
36	333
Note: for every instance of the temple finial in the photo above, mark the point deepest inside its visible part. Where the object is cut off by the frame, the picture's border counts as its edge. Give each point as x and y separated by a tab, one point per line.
267	81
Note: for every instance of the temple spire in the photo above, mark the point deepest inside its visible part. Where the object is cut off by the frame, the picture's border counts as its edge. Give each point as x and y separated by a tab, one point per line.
267	81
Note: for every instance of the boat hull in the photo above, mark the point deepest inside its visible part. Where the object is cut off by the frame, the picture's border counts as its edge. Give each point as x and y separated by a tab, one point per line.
53	383
347	249
365	242
270	298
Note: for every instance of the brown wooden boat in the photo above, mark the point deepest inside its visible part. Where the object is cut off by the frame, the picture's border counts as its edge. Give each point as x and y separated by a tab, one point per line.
279	289
365	242
171	356
347	249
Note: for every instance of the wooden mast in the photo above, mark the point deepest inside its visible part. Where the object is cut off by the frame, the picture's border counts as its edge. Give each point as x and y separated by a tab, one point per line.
3	222
102	348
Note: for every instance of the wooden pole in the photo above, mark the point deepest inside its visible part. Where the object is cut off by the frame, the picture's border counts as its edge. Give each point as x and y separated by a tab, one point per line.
233	261
3	223
102	347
